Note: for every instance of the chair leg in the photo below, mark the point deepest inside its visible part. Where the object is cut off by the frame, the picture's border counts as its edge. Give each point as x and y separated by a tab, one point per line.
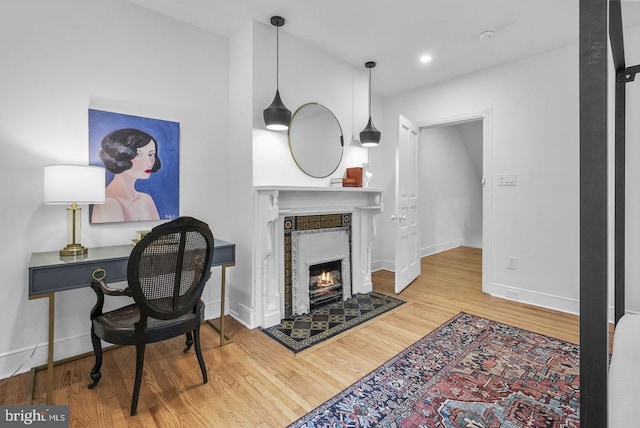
188	342
203	369
136	386
97	350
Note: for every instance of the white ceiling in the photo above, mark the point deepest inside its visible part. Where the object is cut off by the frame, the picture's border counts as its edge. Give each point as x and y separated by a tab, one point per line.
396	33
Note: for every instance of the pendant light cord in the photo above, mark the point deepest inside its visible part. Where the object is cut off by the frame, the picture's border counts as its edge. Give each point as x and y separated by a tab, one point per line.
277	58
369	91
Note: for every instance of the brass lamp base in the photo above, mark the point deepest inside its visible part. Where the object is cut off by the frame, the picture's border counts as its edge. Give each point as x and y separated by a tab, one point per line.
74	250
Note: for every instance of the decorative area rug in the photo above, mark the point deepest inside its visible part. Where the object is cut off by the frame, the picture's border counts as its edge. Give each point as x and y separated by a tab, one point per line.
304	331
469	372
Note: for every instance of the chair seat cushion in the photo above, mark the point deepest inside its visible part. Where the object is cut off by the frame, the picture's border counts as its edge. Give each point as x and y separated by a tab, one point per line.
118	326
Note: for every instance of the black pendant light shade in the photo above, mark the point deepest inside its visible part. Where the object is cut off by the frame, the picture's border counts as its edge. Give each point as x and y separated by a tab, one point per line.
277	116
370	136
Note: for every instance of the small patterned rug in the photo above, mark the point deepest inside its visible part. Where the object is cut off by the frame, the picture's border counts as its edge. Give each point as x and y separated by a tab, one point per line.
469	372
304	331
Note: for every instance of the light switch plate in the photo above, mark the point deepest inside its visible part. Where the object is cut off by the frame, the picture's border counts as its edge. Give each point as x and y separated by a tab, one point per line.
506	180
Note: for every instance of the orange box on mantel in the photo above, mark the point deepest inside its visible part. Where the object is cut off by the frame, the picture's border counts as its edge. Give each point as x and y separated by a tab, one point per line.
355	173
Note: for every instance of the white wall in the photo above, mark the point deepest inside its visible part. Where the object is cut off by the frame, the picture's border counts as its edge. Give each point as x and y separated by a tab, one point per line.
450	187
238	207
535	135
306	75
632	56
472	134
58	60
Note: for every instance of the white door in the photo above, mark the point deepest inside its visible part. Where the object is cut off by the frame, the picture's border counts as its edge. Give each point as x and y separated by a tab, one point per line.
406	209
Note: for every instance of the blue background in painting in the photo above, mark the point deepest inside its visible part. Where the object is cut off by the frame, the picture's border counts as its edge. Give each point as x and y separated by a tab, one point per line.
163	185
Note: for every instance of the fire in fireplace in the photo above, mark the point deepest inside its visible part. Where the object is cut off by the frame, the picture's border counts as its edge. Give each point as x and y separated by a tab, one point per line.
325	283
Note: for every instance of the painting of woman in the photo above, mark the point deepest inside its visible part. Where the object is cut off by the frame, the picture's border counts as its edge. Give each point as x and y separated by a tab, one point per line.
131	155
139	187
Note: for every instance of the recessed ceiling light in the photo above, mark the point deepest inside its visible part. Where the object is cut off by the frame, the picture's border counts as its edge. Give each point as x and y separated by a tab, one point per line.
425	59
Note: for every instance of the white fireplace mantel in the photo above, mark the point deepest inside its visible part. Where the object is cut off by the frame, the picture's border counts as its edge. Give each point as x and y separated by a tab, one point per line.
273	204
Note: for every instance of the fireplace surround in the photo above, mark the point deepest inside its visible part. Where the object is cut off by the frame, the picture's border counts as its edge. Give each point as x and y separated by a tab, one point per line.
309	243
274	206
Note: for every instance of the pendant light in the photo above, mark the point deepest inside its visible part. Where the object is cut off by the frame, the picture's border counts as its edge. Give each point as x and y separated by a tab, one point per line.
277	116
370	136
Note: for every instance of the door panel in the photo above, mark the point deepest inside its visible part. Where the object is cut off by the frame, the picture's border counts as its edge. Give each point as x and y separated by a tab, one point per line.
407	263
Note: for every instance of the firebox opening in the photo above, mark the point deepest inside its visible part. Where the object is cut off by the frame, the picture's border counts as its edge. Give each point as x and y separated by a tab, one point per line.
325	283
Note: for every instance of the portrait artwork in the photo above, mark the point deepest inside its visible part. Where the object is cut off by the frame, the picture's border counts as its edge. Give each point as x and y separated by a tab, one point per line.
142	159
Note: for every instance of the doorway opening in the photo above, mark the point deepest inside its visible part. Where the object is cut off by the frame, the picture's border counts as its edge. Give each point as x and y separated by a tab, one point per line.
450	186
455	191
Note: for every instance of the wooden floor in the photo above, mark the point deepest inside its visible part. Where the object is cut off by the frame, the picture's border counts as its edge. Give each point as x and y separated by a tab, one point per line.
255	382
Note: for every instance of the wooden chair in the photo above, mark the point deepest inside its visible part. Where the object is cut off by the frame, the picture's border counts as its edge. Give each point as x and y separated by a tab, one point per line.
166	273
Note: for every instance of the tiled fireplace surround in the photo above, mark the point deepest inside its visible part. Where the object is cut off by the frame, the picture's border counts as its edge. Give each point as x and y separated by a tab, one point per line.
318	208
310	240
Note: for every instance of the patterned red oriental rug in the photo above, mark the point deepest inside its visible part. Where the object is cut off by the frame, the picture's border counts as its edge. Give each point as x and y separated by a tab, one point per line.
469	372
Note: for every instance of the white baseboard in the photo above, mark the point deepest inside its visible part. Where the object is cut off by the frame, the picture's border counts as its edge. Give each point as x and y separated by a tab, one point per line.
21	361
243	315
383	265
545	300
612	314
271	319
377	265
212	309
438	248
390	265
549	301
24	359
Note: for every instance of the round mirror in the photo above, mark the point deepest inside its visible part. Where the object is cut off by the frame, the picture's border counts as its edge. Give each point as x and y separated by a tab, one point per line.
315	140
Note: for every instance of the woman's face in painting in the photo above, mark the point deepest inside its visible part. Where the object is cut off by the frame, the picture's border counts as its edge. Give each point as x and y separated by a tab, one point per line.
144	161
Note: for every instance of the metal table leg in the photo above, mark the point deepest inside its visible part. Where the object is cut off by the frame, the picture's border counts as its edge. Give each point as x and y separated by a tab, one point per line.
219	325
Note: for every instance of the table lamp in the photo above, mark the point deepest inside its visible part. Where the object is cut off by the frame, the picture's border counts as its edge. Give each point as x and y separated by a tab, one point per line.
74	184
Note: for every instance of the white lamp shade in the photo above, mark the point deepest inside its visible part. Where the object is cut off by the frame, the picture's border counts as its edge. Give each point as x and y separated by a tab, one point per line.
66	184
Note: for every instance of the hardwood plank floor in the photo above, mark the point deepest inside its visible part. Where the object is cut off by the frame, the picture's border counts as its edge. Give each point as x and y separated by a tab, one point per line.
255	382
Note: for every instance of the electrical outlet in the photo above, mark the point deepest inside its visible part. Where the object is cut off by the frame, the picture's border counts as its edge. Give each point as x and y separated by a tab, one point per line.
506	180
512	263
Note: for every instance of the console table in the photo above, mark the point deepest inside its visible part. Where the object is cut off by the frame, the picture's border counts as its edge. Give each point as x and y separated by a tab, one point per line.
50	273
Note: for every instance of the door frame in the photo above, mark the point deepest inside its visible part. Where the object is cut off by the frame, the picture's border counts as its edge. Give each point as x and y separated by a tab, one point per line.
487	174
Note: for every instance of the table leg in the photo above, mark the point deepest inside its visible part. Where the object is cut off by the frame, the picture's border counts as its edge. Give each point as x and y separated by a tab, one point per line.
52	306
219	327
